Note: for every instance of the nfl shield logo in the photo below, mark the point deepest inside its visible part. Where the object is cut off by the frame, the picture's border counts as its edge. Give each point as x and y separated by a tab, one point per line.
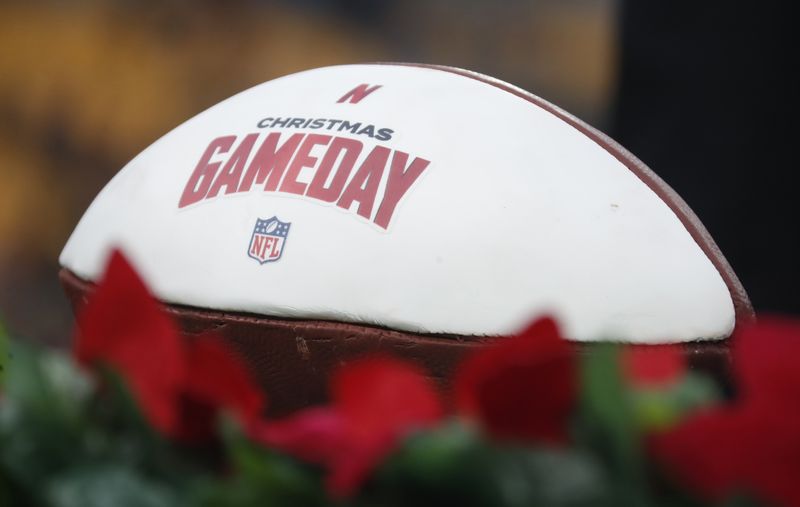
269	237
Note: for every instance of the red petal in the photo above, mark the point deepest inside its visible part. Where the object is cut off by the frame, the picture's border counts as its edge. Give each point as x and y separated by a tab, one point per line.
377	395
521	388
765	357
316	435
352	468
649	365
197	421
774	467
705	452
217	377
124	327
375	402
754	445
744	449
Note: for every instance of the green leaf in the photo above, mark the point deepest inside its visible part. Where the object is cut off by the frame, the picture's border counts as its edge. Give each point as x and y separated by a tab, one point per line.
56	427
107	484
659	408
550	477
261	477
431	454
449	465
743	500
47	384
606	406
115	406
41	416
11	494
607	426
455	465
4	355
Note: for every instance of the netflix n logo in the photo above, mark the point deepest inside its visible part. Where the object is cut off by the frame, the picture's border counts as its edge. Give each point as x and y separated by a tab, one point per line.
358	93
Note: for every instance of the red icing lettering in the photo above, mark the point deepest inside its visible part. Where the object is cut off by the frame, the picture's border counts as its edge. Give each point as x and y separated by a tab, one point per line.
400	180
272	245
279	167
317	188
200	180
364	185
232	171
270	162
302	160
258	245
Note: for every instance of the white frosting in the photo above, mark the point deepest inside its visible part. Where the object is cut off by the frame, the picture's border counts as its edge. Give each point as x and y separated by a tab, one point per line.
517	214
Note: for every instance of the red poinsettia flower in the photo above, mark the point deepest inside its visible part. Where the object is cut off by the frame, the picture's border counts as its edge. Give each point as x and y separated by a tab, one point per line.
653	365
216	379
178	385
521	388
753	444
122	326
374	403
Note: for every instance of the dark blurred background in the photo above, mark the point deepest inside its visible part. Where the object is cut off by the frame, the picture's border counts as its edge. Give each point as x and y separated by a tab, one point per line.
699	91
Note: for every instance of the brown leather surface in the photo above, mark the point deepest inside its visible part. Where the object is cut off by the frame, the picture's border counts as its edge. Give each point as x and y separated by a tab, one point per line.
292	359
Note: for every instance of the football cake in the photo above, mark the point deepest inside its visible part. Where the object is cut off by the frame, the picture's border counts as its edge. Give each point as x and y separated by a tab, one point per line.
415	210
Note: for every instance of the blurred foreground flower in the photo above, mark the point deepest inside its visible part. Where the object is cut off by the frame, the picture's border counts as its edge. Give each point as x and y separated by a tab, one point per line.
653	365
178	385
553	429
522	388
751	446
375	403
